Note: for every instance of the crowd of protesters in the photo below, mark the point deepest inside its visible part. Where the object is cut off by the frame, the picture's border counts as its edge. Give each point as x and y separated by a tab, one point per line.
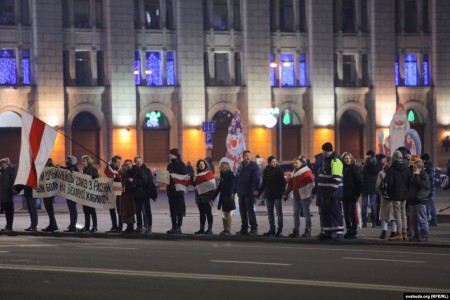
399	191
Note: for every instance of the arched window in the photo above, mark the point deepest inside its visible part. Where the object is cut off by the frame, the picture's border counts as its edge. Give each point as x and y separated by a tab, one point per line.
86	136
156	137
223	120
10	134
351	131
290	135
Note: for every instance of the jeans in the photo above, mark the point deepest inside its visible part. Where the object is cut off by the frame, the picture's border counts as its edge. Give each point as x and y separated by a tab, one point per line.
247	211
73	214
143	209
177	208
271	205
298	206
350	215
112	213
204	209
48	203
372	198
419	218
32	210
431	210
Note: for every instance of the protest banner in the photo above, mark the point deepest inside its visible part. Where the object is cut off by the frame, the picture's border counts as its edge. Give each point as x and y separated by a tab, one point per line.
99	193
162	176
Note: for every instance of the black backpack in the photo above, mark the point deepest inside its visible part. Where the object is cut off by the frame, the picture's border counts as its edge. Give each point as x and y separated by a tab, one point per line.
151	187
384	188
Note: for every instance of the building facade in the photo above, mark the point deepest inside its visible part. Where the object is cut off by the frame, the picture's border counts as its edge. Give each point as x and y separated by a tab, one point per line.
140	76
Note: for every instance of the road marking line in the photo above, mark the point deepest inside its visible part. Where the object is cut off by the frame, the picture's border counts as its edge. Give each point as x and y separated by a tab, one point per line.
249	262
389	260
115	248
233	278
4	251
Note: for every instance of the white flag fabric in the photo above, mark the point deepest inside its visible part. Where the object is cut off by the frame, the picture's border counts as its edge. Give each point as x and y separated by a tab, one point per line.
181	181
37	143
205	182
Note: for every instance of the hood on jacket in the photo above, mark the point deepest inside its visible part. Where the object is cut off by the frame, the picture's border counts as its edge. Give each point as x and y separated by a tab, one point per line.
72	159
399	165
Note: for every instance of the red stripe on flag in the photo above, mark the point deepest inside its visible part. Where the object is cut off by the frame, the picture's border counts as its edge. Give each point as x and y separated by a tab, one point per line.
36	133
199	179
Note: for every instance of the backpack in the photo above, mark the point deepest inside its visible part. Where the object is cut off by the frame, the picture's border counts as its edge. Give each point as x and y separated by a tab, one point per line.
151	187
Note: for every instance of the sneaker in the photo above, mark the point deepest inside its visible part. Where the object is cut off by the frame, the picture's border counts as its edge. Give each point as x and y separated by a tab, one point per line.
177	231
253	232
113	229
93	229
31	229
70	229
6	229
138	229
383	235
306	234
423	237
171	231
269	233
338	237
209	231
347	235
294	234
201	231
279	234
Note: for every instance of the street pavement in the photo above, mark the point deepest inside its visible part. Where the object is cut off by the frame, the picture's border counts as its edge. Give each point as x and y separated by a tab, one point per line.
439	236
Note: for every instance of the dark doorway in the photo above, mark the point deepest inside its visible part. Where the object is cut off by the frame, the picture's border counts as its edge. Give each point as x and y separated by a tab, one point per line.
86	137
223	121
156	137
351	130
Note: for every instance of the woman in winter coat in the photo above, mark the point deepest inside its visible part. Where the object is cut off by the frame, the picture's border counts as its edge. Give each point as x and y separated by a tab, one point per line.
386	208
48	203
226	202
71	165
419	189
127	205
352	181
205	184
89	212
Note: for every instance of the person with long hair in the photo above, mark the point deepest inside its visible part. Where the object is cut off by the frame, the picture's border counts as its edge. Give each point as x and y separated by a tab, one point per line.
204	194
89	212
226	202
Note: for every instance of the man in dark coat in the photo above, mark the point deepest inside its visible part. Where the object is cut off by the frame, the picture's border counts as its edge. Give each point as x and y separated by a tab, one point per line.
273	183
369	171
398	178
246	185
430	170
7	177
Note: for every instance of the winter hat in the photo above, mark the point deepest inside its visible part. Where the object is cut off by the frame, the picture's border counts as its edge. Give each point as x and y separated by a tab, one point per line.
380	156
403	150
370	153
270	158
425	157
5	160
174	151
328	147
127	161
72	159
397	155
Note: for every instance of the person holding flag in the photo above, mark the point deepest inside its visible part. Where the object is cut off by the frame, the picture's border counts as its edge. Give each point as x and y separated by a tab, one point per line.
7	175
301	184
205	184
179	180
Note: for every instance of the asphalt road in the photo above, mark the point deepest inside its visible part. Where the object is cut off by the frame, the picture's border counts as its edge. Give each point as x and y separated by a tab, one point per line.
87	268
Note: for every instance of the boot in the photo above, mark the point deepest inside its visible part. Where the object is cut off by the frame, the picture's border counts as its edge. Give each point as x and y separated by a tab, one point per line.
209	230
279	233
348	234
397	237
294	233
148	229
306	234
405	235
393	233
383	235
201	231
415	237
423	236
138	229
224	221
271	232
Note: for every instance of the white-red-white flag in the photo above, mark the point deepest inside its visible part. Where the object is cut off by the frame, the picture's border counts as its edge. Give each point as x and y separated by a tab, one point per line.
38	140
205	182
304	181
181	181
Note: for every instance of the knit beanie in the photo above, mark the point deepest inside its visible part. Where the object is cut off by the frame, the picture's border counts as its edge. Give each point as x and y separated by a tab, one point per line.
328	147
72	160
425	157
397	155
370	153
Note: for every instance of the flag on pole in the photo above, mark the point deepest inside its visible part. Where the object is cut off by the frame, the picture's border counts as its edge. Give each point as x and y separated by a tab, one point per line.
205	182
181	181
37	143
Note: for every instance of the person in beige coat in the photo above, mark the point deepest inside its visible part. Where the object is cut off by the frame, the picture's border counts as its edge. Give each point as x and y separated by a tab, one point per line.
386	208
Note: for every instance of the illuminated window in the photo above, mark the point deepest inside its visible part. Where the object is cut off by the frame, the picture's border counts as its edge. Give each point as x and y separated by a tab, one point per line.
8	71
26	67
155	120
153	69
170	68
137	68
426	70
273	71
411	70
397	70
303	70
287	70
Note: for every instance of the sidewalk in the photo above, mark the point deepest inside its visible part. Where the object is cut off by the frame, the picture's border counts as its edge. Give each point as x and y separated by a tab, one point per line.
439	236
